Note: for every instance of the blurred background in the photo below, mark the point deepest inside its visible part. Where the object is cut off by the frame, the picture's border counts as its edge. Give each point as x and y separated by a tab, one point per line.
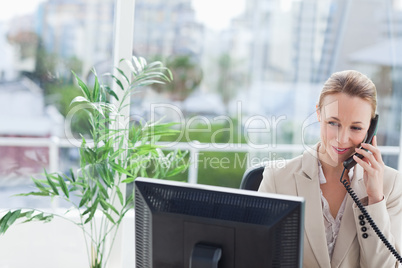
245	72
247	75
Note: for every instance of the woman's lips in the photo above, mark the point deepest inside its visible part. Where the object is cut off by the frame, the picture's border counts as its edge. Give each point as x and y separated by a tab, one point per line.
339	150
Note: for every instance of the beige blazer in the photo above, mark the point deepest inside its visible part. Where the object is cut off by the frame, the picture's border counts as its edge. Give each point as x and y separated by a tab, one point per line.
355	246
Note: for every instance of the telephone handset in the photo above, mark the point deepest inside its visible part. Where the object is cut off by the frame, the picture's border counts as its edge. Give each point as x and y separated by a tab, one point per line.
372	131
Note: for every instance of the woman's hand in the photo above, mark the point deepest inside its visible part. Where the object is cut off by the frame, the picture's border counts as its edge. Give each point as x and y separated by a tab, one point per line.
373	170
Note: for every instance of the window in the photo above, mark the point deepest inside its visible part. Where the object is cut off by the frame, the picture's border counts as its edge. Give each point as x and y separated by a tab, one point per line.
240	60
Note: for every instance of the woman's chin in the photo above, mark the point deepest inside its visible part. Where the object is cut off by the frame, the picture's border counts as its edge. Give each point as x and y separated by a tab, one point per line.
332	159
337	160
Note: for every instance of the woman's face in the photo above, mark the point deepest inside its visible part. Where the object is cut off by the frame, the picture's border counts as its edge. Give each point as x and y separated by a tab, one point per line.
344	122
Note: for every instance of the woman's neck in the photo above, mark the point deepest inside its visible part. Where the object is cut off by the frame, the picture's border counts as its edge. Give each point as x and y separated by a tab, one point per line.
332	172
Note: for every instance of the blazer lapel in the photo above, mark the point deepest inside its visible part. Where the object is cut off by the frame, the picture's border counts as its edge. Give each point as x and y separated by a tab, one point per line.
347	231
308	187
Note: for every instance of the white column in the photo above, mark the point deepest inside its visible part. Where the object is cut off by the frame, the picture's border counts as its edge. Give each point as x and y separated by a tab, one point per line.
400	147
123	43
193	168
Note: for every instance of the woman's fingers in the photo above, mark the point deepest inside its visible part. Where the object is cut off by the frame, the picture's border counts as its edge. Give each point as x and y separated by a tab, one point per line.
364	163
368	158
373	149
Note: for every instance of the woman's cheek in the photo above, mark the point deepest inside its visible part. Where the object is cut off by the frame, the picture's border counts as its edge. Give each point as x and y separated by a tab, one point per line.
331	133
358	139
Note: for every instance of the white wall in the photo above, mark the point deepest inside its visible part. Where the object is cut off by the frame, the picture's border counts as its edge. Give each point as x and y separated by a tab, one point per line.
58	244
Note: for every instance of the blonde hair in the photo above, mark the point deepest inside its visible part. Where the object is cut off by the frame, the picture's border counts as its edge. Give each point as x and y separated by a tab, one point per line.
352	83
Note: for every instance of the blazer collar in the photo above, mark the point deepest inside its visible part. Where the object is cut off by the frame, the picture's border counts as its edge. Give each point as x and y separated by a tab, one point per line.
310	157
308	186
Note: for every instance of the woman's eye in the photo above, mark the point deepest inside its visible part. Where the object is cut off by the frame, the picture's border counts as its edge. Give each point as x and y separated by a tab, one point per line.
356	128
332	123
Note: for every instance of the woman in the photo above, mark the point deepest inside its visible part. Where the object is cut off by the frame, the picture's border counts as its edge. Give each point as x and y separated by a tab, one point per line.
336	233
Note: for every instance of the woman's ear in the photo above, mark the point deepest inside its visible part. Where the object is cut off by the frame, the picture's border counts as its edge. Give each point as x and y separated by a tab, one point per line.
317	110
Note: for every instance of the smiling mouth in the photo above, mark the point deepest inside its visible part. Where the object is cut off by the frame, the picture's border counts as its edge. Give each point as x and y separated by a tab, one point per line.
340	150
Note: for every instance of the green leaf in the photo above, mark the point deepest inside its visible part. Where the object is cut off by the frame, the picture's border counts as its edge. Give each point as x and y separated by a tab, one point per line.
34	194
102	189
120	195
118	82
3	222
128	180
63	186
155	65
95	93
48	218
14	216
110	92
79	99
112	208
109	217
103	204
116	79
93	210
93	191
102	171
123	74
29	217
176	171
51	183
102	97
86	211
83	87
40	186
119	168
27	214
137	64
108	179
40	217
86	197
149	82
88	155
71	179
129	65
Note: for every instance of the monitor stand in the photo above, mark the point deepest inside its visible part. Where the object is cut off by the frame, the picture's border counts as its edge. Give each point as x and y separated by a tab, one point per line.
205	256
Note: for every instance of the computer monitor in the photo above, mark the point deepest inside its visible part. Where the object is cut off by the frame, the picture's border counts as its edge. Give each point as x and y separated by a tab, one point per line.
191	225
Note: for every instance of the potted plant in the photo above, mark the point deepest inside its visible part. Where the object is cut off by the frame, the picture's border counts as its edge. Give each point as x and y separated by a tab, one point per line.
110	157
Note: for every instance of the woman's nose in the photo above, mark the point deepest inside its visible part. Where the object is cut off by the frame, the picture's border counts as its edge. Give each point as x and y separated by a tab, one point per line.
343	136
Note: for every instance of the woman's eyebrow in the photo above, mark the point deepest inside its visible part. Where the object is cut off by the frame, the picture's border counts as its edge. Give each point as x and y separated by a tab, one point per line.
337	119
334	118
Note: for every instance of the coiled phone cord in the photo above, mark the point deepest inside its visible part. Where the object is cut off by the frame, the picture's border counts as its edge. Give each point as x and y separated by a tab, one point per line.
368	217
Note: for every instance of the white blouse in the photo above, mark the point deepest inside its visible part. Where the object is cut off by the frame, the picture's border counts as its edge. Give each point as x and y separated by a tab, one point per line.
331	225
